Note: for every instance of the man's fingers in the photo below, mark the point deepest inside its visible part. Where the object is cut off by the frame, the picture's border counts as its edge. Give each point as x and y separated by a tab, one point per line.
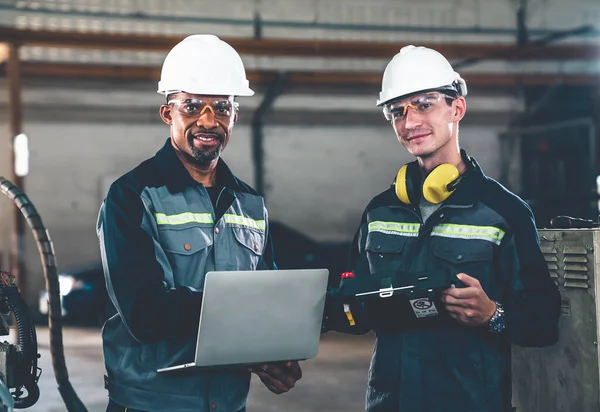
288	372
461	303
468	280
278	372
274	390
273	384
453	309
456	313
461	293
279	377
295	369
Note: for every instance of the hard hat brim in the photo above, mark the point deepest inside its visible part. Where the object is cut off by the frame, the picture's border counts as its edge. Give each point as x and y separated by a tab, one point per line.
246	92
445	89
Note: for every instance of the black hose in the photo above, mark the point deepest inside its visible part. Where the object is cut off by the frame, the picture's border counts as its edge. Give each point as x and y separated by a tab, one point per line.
46	249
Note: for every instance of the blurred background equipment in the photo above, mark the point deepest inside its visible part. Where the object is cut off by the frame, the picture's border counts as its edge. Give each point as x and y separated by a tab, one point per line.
83	296
19	363
568	222
295	250
565	377
554	168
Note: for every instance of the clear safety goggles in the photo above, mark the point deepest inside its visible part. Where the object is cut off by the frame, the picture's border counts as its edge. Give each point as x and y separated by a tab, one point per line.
421	104
197	107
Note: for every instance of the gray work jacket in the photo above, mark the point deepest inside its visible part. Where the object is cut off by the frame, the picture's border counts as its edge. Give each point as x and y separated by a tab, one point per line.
159	236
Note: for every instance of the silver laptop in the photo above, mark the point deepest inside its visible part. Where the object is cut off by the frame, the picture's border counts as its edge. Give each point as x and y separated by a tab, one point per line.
250	317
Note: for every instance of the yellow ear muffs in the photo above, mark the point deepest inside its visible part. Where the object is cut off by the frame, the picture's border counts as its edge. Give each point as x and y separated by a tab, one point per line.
437	187
440	183
400	185
407	183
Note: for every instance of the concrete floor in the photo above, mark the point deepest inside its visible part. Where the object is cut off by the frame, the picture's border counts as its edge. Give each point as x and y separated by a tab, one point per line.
334	381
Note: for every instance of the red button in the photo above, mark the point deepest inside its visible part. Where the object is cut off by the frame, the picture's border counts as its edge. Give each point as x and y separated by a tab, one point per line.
213	406
347	275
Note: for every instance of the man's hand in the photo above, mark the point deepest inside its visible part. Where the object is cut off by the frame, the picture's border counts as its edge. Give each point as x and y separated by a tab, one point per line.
278	377
470	305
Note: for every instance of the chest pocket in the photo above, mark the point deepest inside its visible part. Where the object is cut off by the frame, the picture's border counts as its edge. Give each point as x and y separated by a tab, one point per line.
250	244
473	257
385	252
188	250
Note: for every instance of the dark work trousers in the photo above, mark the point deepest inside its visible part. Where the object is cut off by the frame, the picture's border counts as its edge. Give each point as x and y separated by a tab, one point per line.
114	407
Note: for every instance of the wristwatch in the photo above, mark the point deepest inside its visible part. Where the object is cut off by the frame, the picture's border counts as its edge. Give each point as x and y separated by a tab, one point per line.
496	324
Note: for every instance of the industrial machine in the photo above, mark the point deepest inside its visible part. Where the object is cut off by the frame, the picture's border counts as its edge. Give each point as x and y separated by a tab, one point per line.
18	362
565	377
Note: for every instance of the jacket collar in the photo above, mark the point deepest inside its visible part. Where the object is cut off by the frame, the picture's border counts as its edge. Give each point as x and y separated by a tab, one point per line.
466	194
177	177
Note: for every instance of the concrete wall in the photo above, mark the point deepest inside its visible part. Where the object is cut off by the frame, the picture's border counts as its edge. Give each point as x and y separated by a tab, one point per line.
320	179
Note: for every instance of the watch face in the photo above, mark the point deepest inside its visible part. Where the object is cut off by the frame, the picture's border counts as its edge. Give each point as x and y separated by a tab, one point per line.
498	326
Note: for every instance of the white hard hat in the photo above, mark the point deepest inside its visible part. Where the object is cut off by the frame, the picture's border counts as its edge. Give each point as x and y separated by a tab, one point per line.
416	69
204	64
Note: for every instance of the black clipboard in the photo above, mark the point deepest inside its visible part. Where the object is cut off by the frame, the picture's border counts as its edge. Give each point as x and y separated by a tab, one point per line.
407	284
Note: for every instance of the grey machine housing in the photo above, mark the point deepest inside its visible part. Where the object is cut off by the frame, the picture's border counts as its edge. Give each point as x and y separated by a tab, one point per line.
565	377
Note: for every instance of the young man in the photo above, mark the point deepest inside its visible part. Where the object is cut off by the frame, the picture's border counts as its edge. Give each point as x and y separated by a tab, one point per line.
168	222
444	213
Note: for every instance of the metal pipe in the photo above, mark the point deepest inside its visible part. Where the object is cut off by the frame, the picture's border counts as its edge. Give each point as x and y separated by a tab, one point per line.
522	29
328	78
309	48
543	41
274	89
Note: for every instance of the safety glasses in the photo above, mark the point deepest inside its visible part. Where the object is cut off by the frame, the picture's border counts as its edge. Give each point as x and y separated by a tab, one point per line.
197	107
421	104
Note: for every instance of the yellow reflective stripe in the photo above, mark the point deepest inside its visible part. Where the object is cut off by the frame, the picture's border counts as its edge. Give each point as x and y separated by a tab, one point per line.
244	221
183	218
450	230
395	228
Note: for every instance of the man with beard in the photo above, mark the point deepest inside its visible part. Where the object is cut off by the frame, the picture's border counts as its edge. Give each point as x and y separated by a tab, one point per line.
164	225
446	351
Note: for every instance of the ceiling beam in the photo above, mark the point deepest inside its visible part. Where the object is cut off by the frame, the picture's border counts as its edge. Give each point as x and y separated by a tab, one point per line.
295	47
263	77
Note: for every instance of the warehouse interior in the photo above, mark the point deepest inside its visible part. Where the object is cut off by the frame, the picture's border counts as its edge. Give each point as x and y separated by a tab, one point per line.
78	78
